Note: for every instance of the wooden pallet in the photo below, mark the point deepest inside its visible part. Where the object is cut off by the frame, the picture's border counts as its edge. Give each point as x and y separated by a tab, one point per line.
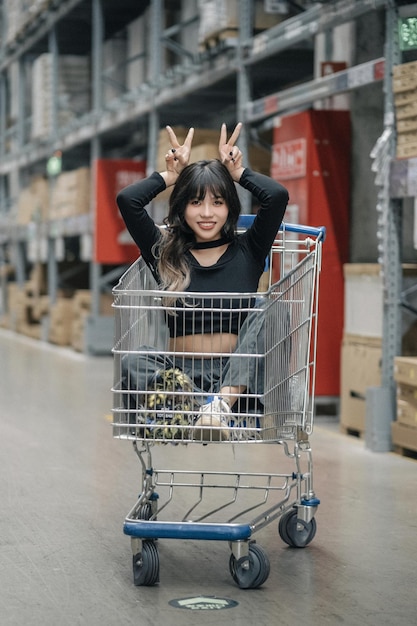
407	452
404	439
352	432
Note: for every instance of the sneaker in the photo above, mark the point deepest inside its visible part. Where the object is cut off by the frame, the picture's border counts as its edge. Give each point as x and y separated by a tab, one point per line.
211	423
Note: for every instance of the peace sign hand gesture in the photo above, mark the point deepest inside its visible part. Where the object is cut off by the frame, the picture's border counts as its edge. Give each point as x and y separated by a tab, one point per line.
177	157
230	155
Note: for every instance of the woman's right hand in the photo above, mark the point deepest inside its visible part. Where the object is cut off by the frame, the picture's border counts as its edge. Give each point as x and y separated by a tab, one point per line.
177	157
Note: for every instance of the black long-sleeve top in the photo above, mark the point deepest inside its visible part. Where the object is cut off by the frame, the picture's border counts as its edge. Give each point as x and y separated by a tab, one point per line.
237	270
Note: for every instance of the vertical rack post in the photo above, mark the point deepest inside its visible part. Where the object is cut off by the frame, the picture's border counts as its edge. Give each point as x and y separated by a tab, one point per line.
244	85
380	401
155	72
97	36
52	268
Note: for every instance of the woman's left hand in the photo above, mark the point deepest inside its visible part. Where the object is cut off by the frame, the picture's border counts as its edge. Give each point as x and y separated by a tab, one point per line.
230	155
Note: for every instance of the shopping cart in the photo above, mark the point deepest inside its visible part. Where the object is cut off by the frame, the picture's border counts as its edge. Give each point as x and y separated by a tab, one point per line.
165	410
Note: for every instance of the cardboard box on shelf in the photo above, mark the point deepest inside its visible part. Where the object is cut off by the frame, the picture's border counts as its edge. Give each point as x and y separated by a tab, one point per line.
407	136
404	111
36	283
404	437
407	150
360	369
405	370
33	201
60	318
407	124
137	54
363	299
73	91
16	301
217	16
40	307
406	413
404	77
71	194
81	308
25	308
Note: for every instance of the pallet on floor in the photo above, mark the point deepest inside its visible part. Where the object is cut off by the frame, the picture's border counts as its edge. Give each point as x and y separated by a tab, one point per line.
352	432
404	439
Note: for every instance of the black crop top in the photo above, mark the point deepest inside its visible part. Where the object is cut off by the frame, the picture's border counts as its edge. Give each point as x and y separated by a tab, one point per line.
237	271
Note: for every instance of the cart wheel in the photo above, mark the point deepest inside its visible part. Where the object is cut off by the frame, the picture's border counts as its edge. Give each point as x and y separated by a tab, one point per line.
252	571
146	565
294	531
145	512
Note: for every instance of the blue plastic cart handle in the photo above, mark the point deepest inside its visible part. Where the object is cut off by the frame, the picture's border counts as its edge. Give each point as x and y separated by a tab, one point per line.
246	220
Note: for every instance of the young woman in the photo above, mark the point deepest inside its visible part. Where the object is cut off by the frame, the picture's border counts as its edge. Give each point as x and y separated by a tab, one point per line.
200	251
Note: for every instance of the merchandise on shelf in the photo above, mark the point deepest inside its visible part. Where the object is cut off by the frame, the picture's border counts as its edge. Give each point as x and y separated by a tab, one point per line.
220	20
136	51
33	201
81	310
360	369
72	91
70	194
404	429
405	97
362	337
114	68
27	304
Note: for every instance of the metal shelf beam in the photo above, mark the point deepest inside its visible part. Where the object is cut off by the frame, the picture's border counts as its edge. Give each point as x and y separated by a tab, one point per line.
318	89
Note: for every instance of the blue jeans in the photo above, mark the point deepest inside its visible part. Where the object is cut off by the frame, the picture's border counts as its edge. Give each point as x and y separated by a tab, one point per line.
244	367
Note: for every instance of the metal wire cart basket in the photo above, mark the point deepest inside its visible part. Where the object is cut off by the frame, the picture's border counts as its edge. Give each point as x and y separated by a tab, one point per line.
161	405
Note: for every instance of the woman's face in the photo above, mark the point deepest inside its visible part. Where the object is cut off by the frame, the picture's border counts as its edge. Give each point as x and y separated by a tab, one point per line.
207	217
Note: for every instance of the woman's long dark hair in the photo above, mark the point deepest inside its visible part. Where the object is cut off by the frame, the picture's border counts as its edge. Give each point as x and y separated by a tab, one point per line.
193	183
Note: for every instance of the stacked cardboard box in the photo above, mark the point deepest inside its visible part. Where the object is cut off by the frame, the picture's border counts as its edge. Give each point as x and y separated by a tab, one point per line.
27	303
220	20
16	301
81	310
114	68
70	195
405	97
404	429
360	369
60	318
33	201
67	195
361	352
72	91
136	51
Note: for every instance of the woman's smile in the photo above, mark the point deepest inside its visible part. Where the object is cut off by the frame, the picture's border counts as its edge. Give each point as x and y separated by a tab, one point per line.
207	216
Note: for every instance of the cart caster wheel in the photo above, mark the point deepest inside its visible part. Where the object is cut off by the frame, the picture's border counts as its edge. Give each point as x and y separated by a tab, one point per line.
295	532
252	571
146	565
145	512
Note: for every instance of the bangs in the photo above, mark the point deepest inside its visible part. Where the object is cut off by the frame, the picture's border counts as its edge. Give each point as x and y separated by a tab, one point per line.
206	180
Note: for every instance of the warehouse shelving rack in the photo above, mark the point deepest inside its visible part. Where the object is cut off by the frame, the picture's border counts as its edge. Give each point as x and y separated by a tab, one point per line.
239	69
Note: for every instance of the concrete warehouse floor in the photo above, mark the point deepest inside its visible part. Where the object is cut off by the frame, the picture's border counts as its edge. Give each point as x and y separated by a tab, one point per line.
66	486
